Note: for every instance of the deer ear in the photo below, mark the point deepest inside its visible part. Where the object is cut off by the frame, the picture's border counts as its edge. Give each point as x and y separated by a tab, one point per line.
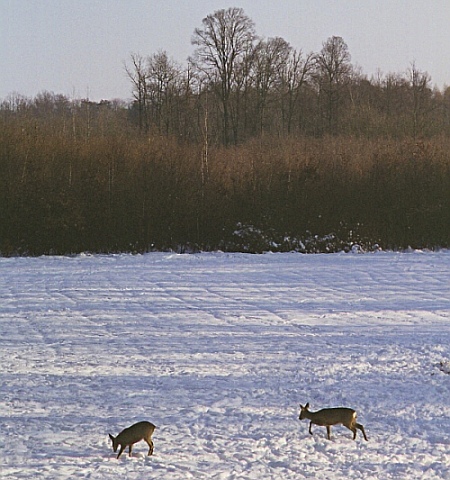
307	405
111	437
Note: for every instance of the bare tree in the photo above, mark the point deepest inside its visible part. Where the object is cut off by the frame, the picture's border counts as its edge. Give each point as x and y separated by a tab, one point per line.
270	60
296	73
421	95
137	73
222	44
333	70
163	78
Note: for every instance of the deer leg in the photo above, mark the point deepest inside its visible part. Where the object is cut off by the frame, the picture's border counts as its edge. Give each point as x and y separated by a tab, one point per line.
122	448
310	425
351	427
150	444
130	447
329	432
360	427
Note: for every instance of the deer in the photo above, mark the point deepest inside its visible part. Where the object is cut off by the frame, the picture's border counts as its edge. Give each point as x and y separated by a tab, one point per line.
332	416
131	435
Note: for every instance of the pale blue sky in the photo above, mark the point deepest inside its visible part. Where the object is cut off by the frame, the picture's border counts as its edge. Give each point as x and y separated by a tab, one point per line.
77	47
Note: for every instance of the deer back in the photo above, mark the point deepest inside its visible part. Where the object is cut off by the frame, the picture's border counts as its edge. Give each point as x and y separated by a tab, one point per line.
135	433
333	416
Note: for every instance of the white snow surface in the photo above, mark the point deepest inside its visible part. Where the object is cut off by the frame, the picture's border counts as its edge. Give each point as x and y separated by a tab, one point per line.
218	350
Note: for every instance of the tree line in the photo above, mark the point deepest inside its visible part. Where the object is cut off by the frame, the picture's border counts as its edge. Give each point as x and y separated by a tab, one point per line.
253	146
238	86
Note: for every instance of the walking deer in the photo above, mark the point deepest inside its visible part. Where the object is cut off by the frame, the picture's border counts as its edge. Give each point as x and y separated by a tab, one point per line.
332	416
131	435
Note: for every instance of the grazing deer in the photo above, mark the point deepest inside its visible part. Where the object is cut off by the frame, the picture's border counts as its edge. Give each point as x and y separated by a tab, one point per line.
332	416
131	435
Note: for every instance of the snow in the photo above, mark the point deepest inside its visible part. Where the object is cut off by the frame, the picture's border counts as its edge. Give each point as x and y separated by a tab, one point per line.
218	350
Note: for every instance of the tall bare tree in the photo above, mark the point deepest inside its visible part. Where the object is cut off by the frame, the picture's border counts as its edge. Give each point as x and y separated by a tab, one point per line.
296	74
222	44
270	60
137	73
333	70
421	96
163	79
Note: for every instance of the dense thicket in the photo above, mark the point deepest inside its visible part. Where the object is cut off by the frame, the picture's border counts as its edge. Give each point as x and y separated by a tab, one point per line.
117	190
278	150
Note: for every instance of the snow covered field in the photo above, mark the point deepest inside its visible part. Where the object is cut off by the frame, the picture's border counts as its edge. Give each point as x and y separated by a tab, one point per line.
218	350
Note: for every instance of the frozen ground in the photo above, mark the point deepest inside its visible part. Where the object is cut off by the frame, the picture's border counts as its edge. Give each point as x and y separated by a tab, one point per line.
218	350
